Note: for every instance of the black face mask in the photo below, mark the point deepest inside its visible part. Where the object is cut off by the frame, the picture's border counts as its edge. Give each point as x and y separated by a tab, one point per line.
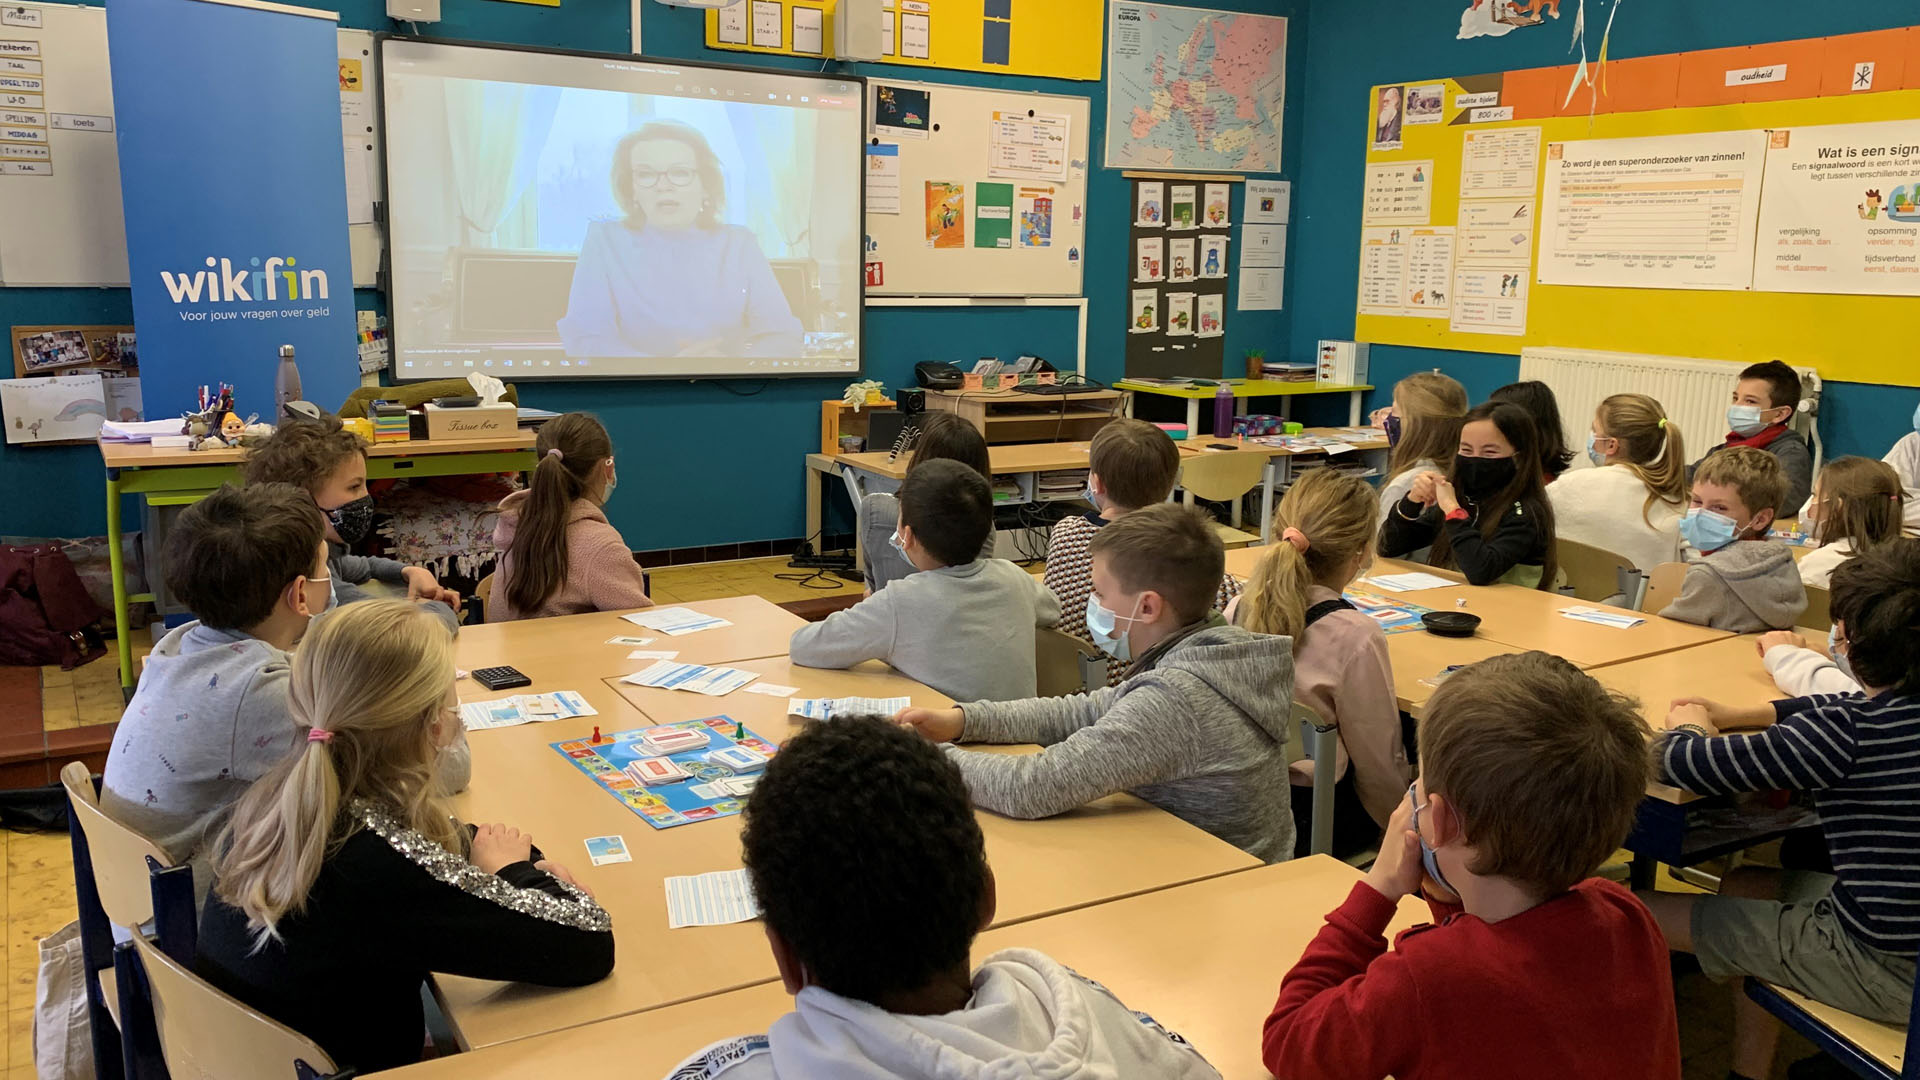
1392	426
353	520
1481	478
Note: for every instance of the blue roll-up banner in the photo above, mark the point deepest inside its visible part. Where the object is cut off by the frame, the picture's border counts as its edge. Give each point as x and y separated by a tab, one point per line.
234	184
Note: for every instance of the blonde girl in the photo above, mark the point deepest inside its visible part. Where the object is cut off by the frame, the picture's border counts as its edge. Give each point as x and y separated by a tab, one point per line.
342	881
1857	503
1423	428
1327	528
1631	502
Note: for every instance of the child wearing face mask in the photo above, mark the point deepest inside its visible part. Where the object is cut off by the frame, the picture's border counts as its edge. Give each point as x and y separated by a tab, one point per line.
963	625
1422	427
1856	504
210	714
558	553
1845	939
1739	580
1764	400
1631	502
1531	775
1199	725
330	462
1488	517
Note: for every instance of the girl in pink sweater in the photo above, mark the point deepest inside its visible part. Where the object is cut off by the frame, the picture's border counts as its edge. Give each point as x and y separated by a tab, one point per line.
1327	524
558	555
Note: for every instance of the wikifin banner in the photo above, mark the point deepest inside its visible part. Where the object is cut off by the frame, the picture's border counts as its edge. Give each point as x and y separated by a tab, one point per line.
228	121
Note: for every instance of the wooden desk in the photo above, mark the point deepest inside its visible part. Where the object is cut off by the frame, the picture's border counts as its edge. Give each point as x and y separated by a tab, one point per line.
1013	416
176	477
1531	619
1189	956
1242	390
1115	847
760	629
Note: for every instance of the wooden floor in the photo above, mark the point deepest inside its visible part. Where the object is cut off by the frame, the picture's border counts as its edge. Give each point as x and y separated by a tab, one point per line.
38	885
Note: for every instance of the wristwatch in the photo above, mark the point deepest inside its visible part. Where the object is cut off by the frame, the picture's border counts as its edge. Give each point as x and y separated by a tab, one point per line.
1693	729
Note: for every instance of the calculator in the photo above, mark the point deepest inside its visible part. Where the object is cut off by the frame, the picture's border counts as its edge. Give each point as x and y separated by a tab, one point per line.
500	678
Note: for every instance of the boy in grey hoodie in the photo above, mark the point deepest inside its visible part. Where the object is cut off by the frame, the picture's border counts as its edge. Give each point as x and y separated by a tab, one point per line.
1197	727
880	975
1739	580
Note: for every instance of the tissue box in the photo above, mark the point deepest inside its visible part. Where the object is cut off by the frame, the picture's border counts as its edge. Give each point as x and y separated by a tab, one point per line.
480	422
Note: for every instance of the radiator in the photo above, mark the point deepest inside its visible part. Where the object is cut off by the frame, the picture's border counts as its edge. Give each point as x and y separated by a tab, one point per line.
1695	393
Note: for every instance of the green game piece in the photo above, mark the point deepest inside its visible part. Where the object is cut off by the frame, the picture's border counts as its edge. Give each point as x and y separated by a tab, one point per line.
739	730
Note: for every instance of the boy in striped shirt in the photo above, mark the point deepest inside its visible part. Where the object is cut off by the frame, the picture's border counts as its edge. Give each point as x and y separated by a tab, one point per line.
1847	939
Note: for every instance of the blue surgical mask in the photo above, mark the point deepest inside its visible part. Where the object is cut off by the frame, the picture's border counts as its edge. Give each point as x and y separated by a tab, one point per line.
1091	496
1427	858
1916	419
1708	531
1100	626
1839	658
894	542
1593	455
1745	419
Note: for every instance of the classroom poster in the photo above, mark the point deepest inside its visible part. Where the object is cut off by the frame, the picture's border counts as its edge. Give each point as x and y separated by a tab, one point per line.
1262	288
1036	216
902	112
1269	202
1179	314
1841	212
1180	260
883	178
1212	315
1150	204
1181	213
1263	245
1213	256
1383	270
1144	315
239	246
1149	260
1429	280
993	215
1398	193
1219	197
946	214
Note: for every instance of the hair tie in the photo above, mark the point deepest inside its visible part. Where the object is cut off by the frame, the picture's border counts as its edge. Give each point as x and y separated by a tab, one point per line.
319	735
1295	537
555	453
1663	421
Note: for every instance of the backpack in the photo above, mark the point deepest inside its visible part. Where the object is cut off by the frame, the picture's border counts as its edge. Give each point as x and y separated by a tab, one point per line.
46	616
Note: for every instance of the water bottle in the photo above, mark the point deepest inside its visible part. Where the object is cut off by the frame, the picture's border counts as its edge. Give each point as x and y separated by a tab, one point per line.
1222	411
286	384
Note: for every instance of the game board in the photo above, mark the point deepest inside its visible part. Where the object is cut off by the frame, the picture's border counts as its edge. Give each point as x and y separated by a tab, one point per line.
1394	616
665	805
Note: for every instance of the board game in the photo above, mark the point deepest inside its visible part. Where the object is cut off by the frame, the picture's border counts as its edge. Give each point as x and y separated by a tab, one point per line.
1394	616
677	786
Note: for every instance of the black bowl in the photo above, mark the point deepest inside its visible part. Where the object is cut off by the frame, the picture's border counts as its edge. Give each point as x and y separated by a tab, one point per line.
1450	623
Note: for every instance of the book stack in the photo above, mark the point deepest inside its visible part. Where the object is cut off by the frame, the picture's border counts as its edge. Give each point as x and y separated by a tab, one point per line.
1289	370
1064	484
389	422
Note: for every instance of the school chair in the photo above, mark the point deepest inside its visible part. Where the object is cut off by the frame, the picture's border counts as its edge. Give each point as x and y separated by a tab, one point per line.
1864	1047
1066	665
1309	738
1819	613
202	1033
1595	574
477	603
1224	477
1663	586
121	878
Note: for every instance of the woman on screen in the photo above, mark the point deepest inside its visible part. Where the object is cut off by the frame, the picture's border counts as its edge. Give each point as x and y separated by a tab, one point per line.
671	279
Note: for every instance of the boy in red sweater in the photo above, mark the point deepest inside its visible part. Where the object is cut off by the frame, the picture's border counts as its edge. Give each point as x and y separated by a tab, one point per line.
1532	771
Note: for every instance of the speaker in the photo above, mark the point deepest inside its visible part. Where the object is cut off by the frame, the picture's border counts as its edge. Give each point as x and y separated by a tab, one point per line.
912	402
414	10
857	29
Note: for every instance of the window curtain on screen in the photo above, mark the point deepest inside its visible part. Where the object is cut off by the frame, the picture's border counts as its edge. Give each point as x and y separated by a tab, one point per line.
779	213
497	133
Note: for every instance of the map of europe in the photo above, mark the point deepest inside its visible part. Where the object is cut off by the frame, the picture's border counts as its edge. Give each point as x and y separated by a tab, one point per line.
1194	89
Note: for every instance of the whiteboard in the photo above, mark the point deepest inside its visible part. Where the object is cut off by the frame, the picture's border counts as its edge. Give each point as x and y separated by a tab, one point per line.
67	228
60	219
958	152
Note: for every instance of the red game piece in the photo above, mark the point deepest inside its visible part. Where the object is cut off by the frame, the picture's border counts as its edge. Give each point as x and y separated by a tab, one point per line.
596	733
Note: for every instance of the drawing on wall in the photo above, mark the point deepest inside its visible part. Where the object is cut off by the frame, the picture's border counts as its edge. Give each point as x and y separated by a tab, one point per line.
1497	18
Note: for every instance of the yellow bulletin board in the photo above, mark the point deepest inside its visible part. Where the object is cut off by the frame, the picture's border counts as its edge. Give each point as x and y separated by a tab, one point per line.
1860	338
1057	39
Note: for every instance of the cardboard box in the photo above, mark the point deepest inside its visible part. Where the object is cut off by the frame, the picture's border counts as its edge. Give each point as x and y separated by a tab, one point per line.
480	422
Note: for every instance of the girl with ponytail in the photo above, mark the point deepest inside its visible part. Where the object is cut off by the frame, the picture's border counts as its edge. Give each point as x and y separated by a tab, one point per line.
1341	669
558	554
1857	503
1423	427
342	881
1631	502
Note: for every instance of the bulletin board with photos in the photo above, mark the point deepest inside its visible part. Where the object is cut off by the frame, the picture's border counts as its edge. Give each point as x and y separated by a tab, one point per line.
68	381
1176	277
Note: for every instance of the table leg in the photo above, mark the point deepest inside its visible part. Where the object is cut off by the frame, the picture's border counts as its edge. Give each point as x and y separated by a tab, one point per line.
1286	407
1353	409
1193	418
1268	476
116	563
1641	871
814	479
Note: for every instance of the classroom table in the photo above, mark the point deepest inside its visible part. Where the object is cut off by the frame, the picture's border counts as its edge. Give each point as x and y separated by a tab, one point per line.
1117	846
1243	390
179	477
1204	959
760	628
1673	826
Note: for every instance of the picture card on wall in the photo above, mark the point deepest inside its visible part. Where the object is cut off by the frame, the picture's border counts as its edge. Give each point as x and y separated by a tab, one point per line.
1213	257
1268	202
1219	198
1149	263
1212	315
1180	260
1263	245
1181	211
1144	316
1179	314
1261	288
1150	205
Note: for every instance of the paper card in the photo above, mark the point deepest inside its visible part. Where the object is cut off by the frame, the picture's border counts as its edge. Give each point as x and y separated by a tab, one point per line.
766	24
653	654
1144	316
1149	263
883	178
946	224
1150	205
902	112
1182	265
1219	197
714	899
1179	314
675	620
773	689
630	642
1182	213
1412	581
602	850
1212	260
739	758
993	215
1211	319
738	786
806	29
655	770
1269	202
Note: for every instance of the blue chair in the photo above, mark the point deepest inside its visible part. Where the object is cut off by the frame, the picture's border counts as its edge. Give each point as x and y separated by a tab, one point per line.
1866	1048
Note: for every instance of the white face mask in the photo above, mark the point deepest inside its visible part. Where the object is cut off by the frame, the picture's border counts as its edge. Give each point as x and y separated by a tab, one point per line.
612	482
1100	625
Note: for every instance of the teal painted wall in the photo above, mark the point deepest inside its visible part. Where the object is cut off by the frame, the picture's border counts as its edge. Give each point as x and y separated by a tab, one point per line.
701	465
1352	47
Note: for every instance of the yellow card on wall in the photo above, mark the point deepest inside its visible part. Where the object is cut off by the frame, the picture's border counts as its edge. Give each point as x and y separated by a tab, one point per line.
536	3
1057	39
